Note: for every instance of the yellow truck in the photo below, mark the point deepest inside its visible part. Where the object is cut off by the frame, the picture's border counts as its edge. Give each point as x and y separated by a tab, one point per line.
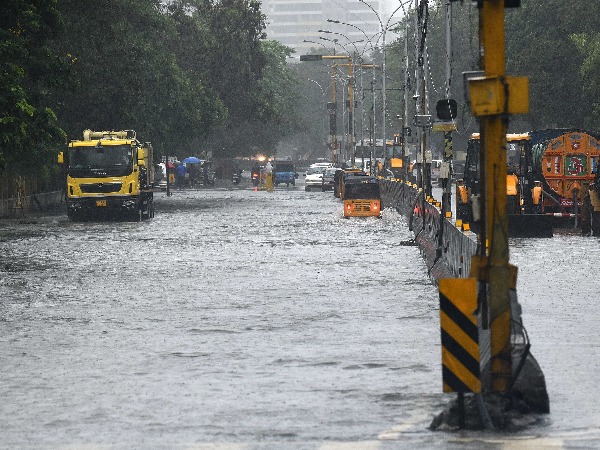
109	175
361	197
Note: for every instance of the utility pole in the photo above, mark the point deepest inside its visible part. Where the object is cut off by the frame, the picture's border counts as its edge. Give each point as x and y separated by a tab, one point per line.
422	120
331	106
403	135
446	169
493	98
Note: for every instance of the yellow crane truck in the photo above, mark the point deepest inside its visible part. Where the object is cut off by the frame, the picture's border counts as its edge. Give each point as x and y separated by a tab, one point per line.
109	175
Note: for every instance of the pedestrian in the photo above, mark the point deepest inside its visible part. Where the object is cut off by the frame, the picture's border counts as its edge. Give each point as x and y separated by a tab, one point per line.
269	174
179	175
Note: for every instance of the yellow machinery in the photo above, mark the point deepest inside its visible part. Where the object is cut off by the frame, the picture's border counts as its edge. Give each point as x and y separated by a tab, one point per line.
109	174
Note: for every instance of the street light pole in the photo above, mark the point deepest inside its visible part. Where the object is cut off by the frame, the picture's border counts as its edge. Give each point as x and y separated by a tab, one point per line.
383	73
331	106
351	143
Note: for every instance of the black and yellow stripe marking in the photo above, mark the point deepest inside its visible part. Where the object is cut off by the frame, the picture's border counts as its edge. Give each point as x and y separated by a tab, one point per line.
460	337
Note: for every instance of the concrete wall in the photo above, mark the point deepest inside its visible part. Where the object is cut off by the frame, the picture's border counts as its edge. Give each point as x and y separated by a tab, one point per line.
11	207
453	259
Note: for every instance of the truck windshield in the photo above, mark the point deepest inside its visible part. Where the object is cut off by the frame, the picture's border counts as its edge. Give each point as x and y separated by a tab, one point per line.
362	191
105	160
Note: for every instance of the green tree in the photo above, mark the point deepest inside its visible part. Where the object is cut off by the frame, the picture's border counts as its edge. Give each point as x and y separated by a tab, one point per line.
551	42
127	76
588	45
540	46
29	131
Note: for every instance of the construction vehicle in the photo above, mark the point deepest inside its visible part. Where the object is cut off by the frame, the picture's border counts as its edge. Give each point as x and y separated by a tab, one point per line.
546	174
523	200
108	175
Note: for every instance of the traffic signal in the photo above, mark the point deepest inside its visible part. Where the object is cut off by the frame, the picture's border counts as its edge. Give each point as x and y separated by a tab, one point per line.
446	109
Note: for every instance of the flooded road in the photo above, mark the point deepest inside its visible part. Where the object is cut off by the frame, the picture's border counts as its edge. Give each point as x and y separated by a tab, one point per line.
262	320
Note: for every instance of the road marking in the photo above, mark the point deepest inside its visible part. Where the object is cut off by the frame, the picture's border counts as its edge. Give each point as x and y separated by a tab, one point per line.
396	431
517	443
363	445
216	446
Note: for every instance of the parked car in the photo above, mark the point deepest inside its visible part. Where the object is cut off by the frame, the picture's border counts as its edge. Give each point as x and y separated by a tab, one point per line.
328	179
314	178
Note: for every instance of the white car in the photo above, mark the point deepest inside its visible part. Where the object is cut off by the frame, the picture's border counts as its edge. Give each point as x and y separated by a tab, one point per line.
314	178
322	164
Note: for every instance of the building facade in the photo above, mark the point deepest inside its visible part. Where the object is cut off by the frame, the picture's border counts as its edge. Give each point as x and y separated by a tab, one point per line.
293	22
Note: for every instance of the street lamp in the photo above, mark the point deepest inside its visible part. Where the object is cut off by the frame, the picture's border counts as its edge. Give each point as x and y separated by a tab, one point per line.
372	115
383	74
352	143
347	136
324	94
313	42
333	131
369	39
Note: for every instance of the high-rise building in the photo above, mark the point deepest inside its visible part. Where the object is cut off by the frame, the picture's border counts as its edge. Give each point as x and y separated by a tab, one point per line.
293	22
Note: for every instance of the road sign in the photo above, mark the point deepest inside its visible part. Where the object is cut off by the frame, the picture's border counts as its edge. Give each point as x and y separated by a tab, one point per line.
311	57
460	335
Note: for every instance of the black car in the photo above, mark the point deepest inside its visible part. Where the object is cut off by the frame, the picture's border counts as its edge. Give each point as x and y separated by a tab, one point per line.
329	178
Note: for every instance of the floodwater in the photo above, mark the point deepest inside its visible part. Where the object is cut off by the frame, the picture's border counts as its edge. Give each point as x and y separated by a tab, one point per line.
245	319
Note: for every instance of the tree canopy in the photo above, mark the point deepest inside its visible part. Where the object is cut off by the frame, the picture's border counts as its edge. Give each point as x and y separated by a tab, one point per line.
28	126
199	75
554	43
188	75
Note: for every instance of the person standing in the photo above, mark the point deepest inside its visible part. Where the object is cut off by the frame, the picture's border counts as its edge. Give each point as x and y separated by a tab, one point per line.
179	175
269	173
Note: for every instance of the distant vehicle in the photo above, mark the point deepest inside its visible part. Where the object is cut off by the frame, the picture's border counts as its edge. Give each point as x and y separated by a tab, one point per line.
343	176
547	171
322	164
362	197
436	164
365	164
255	174
328	178
314	178
284	173
435	169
